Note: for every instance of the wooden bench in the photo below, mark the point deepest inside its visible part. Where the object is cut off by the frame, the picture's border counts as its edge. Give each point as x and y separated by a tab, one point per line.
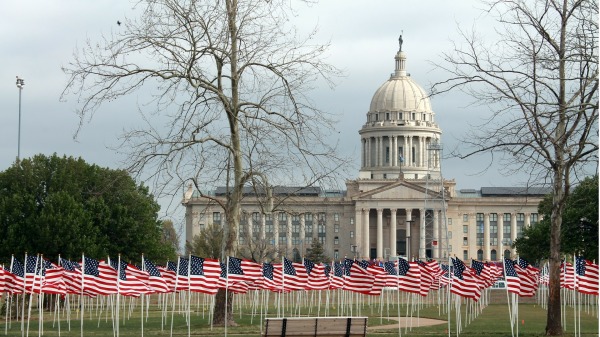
316	326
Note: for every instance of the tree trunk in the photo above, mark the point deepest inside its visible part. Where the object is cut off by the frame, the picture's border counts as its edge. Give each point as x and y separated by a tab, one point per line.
219	311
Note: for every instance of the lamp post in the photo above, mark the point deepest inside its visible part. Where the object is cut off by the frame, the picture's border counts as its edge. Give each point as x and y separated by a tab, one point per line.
20	84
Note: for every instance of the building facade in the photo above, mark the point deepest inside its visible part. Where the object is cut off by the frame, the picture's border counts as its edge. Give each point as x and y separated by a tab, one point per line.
398	206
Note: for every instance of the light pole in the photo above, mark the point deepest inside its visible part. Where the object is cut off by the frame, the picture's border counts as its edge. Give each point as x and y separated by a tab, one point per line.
20	84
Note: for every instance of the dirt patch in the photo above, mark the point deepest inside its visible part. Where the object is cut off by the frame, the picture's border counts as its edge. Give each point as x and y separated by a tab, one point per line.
408	321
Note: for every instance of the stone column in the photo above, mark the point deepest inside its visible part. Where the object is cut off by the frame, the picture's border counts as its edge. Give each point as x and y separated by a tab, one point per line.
408	230
513	231
409	152
404	149
527	220
422	253
378	151
302	234
275	219
486	236
436	249
263	226
368	152
358	217
380	233
500	249
393	249
289	235
367	243
394	148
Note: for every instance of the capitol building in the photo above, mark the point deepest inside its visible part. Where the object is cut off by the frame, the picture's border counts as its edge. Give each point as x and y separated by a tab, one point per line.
399	205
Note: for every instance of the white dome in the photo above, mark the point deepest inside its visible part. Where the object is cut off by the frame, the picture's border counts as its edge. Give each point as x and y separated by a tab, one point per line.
400	93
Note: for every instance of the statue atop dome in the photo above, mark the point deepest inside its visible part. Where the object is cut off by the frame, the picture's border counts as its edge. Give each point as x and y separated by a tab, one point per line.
400	41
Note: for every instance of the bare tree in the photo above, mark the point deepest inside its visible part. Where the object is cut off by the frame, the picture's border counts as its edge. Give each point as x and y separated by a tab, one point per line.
227	101
540	81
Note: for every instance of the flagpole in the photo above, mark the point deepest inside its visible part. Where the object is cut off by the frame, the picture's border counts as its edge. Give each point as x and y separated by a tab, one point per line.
174	292
82	286
226	291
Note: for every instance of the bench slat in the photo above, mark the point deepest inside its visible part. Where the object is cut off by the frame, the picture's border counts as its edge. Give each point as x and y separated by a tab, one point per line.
321	326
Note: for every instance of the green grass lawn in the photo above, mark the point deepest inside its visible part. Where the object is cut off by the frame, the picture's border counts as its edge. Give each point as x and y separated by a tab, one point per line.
493	321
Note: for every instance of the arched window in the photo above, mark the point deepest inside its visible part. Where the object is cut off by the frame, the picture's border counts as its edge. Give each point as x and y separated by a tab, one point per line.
507	254
480	255
493	255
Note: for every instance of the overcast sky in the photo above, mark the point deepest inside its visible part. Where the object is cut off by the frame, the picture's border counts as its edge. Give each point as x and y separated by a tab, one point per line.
38	37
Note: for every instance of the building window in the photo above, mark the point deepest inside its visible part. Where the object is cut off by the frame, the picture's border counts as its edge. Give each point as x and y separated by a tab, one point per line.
465	241
387	116
449	235
336	217
479	224
255	216
216	217
413	116
387	154
480	255
336	228
336	254
493	229
242	240
321	229
465	217
282	240
352	221
308	229
295	218
336	241
201	226
465	255
465	229
351	234
308	240
493	256
295	228
321	240
534	218
308	217
295	240
507	254
282	217
449	221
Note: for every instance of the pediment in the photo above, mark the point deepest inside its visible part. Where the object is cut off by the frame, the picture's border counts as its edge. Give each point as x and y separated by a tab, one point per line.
396	190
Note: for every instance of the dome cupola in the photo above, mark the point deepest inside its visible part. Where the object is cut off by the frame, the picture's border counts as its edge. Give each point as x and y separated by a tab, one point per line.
399	130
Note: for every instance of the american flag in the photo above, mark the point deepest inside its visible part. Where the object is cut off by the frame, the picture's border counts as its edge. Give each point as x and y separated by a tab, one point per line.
357	279
155	280
337	277
16	277
204	275
586	276
464	282
295	276
98	277
168	272
135	282
528	277
270	282
53	278
33	275
391	279
567	275
71	275
317	280
225	281
409	276
513	282
427	278
379	279
446	277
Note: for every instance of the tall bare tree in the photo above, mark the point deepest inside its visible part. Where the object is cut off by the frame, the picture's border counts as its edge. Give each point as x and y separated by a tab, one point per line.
227	104
540	81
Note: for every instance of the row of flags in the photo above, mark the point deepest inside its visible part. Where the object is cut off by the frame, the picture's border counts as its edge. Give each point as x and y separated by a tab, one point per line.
93	277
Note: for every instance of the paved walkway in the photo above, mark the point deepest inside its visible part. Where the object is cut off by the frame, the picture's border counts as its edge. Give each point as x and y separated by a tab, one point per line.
404	321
